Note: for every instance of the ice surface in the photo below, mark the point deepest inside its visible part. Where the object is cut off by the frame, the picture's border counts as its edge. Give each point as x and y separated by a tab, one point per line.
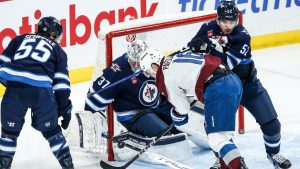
279	71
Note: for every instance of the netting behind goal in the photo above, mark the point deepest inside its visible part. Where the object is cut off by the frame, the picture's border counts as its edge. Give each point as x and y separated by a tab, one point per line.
167	33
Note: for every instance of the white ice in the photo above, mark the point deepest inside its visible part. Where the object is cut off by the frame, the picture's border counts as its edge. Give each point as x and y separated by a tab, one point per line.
279	71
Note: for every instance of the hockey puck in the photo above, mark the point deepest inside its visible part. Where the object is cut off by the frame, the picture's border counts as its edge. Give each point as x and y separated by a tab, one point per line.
121	144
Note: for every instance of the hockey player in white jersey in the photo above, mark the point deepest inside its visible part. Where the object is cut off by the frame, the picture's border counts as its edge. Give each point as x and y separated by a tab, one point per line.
204	76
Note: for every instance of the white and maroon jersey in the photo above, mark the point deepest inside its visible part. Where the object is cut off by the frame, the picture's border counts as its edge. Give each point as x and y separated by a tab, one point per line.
185	74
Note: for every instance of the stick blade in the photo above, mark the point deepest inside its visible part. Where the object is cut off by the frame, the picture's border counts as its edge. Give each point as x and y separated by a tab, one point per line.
105	165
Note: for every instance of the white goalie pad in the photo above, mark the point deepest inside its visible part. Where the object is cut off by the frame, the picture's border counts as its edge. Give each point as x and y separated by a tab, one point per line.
84	132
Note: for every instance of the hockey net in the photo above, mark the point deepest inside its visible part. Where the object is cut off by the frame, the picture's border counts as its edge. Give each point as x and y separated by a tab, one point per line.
167	33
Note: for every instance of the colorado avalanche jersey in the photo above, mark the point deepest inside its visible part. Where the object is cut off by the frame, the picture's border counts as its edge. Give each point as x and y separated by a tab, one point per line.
129	97
238	50
37	61
184	75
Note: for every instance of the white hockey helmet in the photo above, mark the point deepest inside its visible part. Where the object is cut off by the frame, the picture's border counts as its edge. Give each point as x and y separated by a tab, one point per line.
149	57
134	50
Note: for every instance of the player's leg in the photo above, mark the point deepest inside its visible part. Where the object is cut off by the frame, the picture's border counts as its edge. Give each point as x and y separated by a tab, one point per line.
258	102
147	124
222	98
45	120
13	112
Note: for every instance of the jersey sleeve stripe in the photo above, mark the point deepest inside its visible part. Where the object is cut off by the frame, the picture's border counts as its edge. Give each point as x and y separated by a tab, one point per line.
4	58
99	98
61	86
233	60
94	107
59	75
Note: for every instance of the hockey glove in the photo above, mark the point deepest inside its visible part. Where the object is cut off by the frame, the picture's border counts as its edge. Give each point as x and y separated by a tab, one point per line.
179	119
66	115
196	44
223	40
201	44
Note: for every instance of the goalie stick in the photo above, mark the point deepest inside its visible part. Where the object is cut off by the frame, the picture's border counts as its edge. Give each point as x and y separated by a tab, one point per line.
156	157
105	165
114	84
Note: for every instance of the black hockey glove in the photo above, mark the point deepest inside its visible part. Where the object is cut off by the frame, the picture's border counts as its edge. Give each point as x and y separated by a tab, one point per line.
66	115
201	44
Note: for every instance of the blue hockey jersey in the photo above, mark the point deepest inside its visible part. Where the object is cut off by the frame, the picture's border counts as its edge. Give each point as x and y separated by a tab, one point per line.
238	50
36	61
129	97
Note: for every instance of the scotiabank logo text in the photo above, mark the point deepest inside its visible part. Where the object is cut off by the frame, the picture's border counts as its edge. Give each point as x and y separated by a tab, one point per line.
75	19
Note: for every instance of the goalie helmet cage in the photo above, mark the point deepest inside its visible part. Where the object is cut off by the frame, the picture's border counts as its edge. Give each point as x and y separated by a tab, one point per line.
167	33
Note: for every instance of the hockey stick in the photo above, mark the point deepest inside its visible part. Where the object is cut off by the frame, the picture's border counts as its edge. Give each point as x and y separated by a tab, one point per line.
114	84
105	165
156	157
80	129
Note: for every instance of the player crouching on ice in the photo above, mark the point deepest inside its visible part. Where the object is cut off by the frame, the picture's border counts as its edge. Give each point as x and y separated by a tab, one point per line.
138	107
201	75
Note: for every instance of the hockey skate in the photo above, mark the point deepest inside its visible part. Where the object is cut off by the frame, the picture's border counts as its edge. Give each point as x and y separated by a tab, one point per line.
243	164
216	165
66	163
279	161
5	162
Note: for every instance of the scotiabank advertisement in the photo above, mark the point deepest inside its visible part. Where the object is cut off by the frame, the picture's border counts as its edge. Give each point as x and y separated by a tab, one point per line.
82	19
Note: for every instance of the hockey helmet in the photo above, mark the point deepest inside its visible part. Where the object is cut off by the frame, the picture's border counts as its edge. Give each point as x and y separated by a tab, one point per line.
134	50
148	58
227	10
50	27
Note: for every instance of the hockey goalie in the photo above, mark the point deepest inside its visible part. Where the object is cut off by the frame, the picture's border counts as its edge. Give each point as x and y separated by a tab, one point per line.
140	111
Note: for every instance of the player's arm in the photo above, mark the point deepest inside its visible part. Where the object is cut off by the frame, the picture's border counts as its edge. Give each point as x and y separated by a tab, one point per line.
61	88
61	81
9	52
99	101
178	99
238	51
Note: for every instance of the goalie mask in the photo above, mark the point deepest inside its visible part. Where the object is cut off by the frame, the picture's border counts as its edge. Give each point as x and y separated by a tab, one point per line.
150	60
51	28
134	51
227	16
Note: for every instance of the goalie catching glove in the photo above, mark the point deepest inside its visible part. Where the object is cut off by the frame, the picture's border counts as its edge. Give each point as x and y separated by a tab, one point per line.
179	119
66	115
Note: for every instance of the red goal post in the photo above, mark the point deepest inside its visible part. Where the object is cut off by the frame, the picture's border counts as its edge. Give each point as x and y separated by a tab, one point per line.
167	33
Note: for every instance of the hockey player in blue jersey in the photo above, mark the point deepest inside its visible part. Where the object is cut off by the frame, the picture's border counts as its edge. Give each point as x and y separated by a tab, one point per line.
138	105
237	56
34	71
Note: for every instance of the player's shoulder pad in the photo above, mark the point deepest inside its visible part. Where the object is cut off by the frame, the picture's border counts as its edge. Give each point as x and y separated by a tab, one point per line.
119	67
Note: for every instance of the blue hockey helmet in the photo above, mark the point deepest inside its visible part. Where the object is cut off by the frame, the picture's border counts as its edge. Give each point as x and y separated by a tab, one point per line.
227	10
50	27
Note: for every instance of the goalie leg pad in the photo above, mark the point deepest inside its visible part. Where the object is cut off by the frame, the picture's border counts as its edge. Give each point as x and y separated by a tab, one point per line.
85	131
